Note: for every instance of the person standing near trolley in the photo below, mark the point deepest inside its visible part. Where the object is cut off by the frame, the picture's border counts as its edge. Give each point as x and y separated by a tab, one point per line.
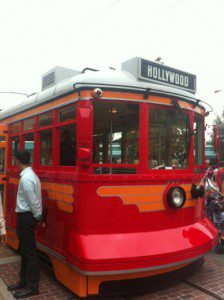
29	211
220	176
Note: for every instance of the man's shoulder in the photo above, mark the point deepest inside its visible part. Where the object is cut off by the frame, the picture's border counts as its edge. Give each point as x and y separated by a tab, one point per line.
30	175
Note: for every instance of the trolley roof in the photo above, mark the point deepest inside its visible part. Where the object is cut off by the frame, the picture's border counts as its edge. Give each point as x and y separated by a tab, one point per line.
109	79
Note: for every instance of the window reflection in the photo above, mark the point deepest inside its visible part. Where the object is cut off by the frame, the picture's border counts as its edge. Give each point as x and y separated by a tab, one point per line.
15	148
115	133
45	120
15	128
29	145
46	148
169	139
198	135
28	124
68	145
2	160
67	114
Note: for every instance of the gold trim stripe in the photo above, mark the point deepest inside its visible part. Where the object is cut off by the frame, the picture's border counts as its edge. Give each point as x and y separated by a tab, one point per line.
145	197
130	190
61	193
57	187
13	180
60	197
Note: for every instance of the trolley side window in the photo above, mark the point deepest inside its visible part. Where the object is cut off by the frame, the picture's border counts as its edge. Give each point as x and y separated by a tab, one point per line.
169	137
45	119
115	133
67	114
68	145
198	140
66	117
29	145
15	128
28	124
46	148
2	160
14	147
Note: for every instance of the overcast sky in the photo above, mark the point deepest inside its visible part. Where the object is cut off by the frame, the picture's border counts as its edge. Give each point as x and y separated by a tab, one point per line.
37	35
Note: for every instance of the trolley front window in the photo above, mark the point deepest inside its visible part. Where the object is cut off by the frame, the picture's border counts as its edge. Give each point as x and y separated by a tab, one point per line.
115	134
198	140
169	139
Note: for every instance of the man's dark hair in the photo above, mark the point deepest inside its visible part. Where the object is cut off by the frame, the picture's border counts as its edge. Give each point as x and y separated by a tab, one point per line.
23	157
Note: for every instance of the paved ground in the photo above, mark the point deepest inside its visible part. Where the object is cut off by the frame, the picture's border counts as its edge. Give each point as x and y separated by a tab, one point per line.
49	287
209	279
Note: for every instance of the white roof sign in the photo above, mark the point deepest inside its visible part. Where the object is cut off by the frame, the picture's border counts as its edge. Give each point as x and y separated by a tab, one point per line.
146	70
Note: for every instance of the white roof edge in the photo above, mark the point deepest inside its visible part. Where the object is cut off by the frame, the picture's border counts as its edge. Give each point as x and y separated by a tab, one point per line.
108	78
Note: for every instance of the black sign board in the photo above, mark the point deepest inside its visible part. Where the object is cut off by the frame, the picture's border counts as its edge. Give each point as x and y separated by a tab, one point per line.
160	74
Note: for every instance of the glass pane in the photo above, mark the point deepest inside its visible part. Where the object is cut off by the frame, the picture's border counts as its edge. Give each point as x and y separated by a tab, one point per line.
115	133
2	160
15	148
68	145
45	120
15	128
2	138
169	139
198	138
46	148
28	124
29	145
67	114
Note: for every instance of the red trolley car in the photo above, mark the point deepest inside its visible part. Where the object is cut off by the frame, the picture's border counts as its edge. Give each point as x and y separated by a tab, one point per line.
117	153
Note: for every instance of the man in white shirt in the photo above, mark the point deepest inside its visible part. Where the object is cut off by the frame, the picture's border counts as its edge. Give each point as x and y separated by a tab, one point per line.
29	210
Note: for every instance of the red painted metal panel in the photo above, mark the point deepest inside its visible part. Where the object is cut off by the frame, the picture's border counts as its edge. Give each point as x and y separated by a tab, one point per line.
118	231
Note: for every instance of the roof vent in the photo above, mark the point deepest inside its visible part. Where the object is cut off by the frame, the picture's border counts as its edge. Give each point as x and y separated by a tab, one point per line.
56	75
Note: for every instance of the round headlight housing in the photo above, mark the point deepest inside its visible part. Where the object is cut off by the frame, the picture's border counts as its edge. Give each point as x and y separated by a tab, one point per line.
176	197
96	93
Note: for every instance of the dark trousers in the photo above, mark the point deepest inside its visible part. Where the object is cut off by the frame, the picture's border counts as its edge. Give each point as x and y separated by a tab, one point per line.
29	269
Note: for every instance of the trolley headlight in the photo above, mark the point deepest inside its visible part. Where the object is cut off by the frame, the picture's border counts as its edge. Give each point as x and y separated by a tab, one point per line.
176	197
